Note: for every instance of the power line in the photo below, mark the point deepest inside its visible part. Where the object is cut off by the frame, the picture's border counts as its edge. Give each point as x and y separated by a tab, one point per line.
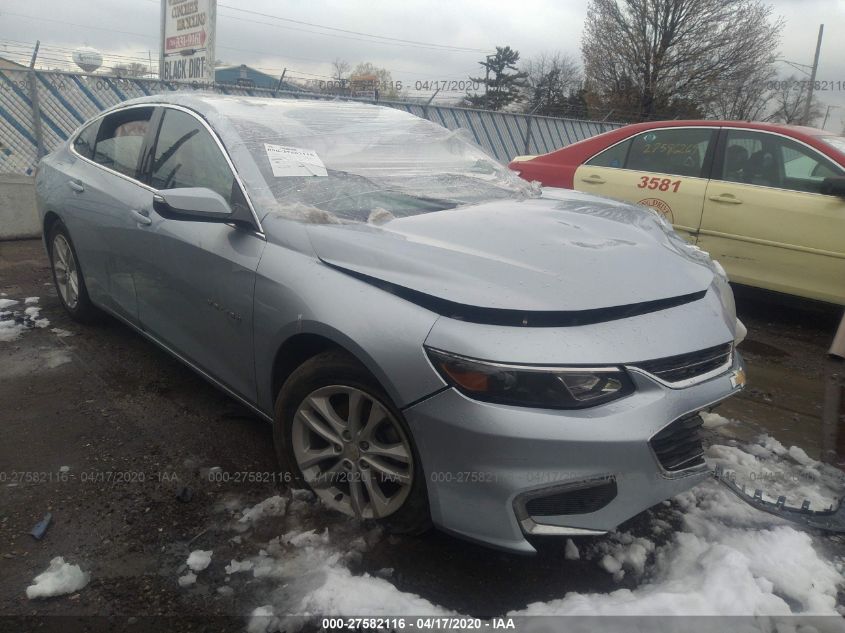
396	40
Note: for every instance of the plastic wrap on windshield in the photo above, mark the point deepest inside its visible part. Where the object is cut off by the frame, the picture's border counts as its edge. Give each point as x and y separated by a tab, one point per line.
333	161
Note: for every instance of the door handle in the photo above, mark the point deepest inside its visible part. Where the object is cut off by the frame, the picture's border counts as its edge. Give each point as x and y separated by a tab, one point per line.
725	198
76	186
593	180
141	217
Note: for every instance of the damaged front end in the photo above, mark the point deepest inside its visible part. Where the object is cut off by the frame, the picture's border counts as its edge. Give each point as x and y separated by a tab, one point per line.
830	520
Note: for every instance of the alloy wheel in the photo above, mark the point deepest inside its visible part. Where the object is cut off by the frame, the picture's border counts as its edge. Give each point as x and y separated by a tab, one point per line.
352	452
66	271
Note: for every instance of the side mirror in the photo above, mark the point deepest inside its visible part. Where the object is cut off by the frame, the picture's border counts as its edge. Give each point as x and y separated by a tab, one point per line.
834	186
192	203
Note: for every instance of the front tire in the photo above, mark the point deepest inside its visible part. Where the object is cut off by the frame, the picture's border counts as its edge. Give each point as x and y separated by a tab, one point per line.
337	432
67	276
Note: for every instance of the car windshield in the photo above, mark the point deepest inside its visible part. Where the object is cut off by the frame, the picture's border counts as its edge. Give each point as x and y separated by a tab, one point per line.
330	162
837	142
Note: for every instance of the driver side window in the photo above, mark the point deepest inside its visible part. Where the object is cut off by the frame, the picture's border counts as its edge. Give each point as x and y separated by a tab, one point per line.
769	160
186	155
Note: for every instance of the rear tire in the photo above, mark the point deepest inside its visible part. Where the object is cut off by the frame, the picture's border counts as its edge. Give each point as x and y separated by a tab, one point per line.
337	433
67	276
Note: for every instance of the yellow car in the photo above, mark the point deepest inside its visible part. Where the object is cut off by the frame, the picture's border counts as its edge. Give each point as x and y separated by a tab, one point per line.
767	201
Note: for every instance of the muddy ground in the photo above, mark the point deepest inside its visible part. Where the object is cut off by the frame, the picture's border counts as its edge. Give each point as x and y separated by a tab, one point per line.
135	428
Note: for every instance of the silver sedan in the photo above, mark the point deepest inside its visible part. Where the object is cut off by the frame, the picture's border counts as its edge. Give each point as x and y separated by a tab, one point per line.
433	339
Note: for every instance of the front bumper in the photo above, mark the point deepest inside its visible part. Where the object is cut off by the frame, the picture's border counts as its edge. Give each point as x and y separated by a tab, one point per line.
483	461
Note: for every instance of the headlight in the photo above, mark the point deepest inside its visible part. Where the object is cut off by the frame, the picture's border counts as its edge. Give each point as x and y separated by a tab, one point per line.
532	386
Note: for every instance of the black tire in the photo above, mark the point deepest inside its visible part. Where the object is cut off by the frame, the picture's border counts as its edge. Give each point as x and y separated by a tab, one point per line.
82	310
337	367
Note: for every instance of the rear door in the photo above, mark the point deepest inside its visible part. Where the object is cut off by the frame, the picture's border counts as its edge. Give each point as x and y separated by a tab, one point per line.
766	220
665	169
196	282
106	199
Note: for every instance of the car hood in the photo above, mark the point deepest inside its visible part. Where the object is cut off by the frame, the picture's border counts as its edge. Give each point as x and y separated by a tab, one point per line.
574	253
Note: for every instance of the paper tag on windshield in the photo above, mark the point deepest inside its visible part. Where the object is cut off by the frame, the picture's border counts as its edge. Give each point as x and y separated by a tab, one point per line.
288	162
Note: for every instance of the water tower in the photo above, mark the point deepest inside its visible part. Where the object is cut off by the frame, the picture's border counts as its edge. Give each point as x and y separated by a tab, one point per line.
87	58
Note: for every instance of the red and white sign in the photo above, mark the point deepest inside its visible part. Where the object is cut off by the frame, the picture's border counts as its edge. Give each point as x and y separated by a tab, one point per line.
187	40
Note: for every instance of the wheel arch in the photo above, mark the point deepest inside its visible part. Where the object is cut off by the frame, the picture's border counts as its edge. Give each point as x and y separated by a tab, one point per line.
49	221
300	347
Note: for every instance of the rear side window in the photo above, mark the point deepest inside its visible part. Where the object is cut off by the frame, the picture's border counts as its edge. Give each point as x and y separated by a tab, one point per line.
611	157
678	151
186	155
84	142
770	160
120	139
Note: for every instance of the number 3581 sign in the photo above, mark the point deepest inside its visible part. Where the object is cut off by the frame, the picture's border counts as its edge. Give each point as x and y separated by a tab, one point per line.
187	40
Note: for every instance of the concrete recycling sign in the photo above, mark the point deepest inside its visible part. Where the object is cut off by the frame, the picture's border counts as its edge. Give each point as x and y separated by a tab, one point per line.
187	40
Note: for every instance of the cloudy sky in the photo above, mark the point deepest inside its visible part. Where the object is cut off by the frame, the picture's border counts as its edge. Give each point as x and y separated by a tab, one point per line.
129	28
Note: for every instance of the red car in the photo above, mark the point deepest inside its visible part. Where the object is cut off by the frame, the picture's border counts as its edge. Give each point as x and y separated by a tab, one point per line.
767	201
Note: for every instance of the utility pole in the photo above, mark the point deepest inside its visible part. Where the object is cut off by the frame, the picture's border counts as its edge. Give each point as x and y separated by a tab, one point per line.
281	82
487	82
809	101
36	106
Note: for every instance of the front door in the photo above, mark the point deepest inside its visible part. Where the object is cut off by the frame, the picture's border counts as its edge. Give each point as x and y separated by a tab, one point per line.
195	289
766	220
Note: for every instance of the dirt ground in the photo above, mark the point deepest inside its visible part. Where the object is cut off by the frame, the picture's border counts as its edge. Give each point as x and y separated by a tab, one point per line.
135	428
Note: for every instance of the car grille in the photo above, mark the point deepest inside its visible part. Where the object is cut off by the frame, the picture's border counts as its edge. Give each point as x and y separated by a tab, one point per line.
577	501
686	366
678	446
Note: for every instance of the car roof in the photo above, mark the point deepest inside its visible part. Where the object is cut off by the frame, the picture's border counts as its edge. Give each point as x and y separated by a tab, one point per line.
791	130
210	103
586	148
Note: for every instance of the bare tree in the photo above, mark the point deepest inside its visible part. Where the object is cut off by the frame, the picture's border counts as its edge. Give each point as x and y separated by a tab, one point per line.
747	98
340	69
789	100
551	79
675	51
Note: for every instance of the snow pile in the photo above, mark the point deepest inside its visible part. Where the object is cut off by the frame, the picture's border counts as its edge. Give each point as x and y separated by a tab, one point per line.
14	322
305	572
767	465
59	579
728	558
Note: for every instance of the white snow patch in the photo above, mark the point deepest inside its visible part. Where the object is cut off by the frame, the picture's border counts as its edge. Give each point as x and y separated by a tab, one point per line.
7	303
263	620
55	358
64	469
199	559
59	579
800	456
344	594
236	566
61	333
571	551
187	580
31	300
714	420
274	506
9	330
